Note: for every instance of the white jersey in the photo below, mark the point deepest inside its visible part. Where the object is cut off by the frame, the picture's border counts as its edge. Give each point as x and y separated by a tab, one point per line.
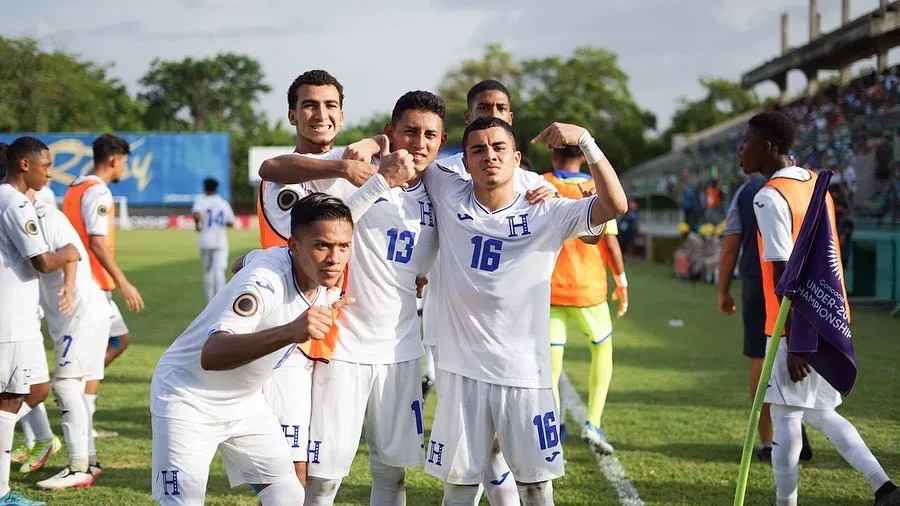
261	296
20	240
216	215
393	242
276	200
46	196
96	204
91	304
494	291
523	180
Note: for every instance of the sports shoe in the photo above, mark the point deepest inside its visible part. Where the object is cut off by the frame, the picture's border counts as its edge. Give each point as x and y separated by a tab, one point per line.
105	434
806	453
764	454
13	498
67	478
427	384
595	437
886	496
20	454
95	469
40	455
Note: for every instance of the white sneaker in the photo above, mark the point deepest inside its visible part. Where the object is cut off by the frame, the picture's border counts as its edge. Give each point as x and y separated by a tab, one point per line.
67	478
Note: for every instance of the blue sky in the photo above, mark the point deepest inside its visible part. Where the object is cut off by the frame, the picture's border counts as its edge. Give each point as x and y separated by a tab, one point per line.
380	51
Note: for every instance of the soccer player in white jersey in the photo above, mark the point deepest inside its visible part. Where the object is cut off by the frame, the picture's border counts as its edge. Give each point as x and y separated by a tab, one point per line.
497	254
205	391
212	215
23	254
80	339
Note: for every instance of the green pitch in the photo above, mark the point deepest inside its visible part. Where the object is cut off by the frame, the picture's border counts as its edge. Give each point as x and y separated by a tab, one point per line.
676	413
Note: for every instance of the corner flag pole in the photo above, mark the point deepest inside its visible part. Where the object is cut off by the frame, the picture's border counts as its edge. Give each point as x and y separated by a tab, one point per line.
758	399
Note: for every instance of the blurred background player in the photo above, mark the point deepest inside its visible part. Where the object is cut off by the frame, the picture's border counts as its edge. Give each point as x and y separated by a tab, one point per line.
212	216
494	374
80	336
206	390
24	254
578	293
797	391
88	204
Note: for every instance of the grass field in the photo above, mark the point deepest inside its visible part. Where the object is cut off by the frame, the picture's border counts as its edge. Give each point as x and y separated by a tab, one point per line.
676	413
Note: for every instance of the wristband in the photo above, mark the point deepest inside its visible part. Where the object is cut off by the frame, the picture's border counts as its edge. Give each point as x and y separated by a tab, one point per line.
363	198
592	152
621	280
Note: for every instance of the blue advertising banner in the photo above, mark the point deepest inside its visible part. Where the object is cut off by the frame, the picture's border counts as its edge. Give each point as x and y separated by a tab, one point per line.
163	169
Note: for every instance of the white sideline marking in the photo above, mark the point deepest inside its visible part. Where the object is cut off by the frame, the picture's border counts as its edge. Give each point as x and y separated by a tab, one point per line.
609	464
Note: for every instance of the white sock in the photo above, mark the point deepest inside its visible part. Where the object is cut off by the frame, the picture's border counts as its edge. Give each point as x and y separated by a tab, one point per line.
90	404
786	446
847	441
429	362
499	483
23	411
209	284
321	492
282	493
460	495
7	427
27	431
40	423
69	394
537	494
219	277
388	485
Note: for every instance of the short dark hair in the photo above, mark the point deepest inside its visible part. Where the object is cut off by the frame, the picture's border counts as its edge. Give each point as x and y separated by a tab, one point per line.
483	86
484	124
313	78
3	147
107	146
419	101
568	152
775	127
22	148
210	185
317	207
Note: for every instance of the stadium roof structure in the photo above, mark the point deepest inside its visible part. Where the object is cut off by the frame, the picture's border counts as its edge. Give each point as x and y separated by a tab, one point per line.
870	34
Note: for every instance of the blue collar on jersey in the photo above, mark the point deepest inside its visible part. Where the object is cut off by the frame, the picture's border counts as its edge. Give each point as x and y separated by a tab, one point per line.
294	279
564	174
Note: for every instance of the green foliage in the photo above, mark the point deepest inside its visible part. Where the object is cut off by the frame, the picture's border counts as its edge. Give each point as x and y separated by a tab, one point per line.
56	92
724	100
366	128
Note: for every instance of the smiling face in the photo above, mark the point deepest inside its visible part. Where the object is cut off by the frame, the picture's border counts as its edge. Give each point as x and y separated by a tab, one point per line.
490	157
317	116
419	132
321	249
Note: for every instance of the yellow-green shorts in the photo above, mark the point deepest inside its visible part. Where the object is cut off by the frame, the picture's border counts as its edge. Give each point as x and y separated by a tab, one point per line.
594	322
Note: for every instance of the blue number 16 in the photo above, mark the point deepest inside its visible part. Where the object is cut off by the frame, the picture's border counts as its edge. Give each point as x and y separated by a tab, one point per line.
486	254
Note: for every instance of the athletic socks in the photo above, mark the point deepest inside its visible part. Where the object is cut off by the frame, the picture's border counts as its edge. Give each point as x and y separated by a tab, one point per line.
69	394
90	404
388	484
599	378
460	495
537	494
499	483
7	426
40	423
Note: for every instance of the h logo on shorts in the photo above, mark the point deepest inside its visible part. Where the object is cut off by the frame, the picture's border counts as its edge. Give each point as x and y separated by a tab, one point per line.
426	210
435	453
295	435
170	486
312	452
513	226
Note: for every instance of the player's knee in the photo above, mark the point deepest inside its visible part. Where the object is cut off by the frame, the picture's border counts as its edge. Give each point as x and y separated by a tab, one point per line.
122	342
282	493
68	391
536	494
460	495
387	477
321	491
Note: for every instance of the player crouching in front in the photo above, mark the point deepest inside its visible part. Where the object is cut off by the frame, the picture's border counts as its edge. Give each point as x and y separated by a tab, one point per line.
205	392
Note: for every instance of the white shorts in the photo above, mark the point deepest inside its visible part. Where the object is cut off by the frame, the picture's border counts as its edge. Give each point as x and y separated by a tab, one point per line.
117	325
82	353
37	356
214	259
388	397
469	413
812	392
289	392
15	367
253	450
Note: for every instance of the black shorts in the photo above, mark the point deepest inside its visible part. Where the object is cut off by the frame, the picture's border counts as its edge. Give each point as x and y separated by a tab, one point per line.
753	302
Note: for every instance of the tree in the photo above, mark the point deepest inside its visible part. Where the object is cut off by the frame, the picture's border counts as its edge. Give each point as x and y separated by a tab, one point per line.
218	93
55	91
724	100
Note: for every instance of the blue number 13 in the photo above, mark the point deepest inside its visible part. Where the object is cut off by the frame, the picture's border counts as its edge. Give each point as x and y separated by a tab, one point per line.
401	254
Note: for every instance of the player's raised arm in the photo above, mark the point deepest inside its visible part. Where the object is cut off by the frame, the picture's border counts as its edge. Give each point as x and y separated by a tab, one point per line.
293	169
611	200
394	170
